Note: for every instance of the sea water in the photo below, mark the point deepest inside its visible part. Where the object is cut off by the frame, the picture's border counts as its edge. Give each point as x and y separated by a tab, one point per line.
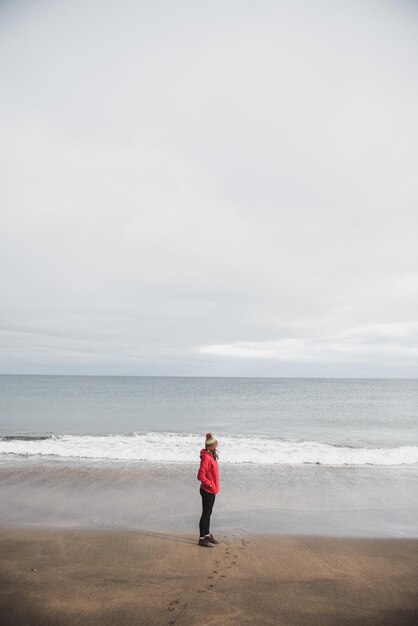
257	420
325	456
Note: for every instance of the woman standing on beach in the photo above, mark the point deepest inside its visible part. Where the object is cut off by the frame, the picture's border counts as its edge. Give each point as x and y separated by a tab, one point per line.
208	475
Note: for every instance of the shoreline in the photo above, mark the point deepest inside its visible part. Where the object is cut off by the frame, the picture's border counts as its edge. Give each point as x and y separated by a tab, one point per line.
295	500
91	577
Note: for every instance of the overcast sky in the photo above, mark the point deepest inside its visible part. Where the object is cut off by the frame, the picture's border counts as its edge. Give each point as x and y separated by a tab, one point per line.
209	188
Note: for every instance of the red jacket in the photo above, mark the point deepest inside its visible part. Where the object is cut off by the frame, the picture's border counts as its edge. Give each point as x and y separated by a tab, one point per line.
208	473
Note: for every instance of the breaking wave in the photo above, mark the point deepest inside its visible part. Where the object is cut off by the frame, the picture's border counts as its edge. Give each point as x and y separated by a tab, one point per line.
184	448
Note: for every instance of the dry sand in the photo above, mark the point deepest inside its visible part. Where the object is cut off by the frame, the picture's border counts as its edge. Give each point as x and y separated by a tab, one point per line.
86	577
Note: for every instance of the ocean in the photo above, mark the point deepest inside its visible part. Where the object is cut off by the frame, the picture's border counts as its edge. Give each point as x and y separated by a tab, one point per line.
325	456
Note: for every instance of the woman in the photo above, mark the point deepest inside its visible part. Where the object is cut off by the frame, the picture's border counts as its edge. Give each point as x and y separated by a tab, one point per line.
208	475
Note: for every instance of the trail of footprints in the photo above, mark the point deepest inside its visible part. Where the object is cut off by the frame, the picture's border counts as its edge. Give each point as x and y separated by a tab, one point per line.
227	560
175	606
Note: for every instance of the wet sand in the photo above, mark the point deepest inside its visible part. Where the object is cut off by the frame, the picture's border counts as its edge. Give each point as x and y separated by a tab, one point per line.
294	500
93	577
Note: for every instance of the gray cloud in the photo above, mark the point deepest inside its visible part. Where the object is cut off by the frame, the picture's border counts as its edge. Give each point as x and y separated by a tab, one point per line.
209	189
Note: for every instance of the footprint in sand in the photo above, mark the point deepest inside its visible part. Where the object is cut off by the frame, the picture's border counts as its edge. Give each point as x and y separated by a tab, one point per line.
173	605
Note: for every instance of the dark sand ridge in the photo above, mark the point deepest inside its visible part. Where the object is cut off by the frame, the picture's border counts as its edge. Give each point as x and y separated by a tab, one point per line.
90	577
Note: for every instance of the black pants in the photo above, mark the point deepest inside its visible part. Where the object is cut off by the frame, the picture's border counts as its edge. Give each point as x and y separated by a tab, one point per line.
208	500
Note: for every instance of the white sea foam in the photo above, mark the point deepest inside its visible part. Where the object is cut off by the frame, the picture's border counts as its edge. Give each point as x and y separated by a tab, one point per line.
184	448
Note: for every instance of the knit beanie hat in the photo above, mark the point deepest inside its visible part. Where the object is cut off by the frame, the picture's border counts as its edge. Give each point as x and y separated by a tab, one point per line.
210	441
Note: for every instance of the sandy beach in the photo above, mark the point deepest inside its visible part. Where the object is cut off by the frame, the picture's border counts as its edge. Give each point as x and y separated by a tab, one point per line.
89	577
